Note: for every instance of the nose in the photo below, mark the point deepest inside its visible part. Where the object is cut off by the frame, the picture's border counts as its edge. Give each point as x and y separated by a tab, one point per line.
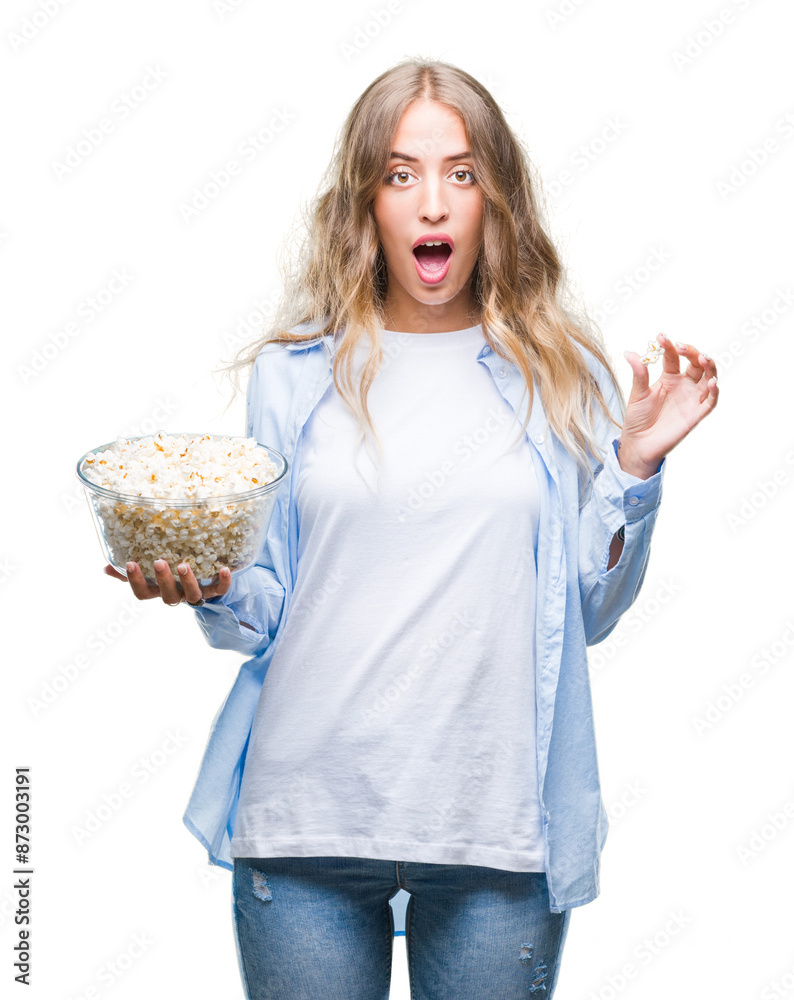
432	205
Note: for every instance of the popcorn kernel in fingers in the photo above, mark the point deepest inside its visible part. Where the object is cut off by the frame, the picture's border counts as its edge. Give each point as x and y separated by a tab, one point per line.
654	352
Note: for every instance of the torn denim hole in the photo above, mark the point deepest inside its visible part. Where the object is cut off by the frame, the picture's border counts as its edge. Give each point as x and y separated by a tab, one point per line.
538	982
261	888
539	972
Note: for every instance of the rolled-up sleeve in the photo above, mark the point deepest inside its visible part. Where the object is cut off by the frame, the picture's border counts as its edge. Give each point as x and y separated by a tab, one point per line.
257	599
617	498
255	596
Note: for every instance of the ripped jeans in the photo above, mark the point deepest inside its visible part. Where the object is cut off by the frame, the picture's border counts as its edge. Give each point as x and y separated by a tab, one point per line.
321	928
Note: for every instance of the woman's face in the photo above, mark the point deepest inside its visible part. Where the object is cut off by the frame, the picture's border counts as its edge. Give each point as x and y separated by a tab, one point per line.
430	193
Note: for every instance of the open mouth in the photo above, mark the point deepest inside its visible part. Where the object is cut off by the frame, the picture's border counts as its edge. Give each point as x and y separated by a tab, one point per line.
432	262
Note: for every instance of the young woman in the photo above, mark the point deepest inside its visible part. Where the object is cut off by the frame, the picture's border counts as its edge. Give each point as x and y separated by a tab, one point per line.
415	710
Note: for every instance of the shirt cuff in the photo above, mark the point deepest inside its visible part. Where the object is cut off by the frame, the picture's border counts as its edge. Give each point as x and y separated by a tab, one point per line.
632	497
214	607
223	629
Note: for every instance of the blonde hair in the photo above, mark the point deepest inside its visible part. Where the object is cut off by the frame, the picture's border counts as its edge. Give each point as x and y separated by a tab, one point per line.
338	283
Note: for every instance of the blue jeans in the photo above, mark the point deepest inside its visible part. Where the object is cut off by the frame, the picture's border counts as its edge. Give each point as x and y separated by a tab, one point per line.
321	928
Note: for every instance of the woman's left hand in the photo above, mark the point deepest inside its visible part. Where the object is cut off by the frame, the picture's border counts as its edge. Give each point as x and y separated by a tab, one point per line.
658	416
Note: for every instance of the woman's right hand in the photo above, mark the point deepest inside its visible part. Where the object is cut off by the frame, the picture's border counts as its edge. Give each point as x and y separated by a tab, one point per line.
167	587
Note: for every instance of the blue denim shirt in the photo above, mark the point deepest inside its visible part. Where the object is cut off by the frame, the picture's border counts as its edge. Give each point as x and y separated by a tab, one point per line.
579	603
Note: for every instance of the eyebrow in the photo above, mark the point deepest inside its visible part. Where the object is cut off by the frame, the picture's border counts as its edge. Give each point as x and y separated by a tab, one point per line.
413	159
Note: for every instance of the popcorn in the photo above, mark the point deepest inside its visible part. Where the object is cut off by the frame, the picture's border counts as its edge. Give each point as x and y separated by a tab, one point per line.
207	534
180	466
654	352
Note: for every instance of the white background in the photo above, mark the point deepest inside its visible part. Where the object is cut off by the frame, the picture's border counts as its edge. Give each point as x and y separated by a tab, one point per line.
685	799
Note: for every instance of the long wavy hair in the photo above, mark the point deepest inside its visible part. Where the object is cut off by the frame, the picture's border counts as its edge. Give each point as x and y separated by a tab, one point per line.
337	281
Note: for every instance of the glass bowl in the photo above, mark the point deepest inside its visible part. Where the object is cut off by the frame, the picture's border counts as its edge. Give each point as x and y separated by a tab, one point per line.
204	532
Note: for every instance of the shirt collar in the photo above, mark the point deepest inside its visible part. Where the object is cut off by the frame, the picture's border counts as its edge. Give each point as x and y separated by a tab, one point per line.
305	344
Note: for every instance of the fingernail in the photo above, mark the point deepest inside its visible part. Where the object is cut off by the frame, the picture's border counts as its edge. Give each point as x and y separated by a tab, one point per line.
159	564
182	569
131	567
681	347
225	571
706	356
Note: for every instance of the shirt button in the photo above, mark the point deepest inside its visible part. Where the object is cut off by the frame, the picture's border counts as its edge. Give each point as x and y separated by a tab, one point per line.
501	372
486	350
634	501
539	439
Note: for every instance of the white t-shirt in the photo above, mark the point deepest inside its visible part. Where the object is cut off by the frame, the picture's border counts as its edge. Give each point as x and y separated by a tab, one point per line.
397	717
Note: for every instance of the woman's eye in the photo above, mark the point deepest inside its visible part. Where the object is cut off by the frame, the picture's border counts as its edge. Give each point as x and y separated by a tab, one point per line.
404	176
